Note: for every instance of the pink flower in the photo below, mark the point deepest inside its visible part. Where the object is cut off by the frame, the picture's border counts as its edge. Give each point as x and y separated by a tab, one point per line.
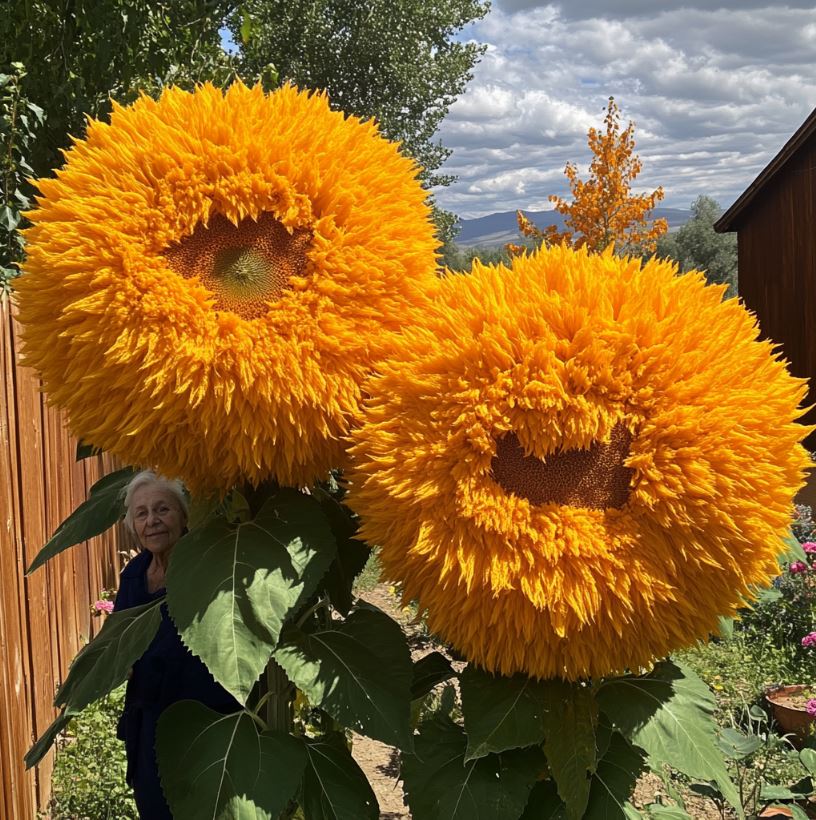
809	547
810	706
798	566
809	639
107	606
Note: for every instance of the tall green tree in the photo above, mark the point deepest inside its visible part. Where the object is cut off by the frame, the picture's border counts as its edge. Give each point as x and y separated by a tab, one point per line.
63	60
78	55
395	60
399	61
697	246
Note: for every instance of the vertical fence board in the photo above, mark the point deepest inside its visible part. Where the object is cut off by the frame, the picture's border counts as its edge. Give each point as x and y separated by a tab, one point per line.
44	618
18	792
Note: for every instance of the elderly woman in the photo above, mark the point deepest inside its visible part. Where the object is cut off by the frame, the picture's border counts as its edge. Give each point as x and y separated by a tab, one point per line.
156	515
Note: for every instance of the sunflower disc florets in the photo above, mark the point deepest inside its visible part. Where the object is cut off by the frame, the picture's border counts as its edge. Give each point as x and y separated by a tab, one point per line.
577	464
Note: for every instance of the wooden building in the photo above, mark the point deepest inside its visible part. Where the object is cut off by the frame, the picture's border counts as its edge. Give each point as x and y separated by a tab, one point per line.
775	221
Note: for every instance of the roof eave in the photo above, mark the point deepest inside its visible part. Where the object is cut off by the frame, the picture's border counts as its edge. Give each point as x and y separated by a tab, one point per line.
726	222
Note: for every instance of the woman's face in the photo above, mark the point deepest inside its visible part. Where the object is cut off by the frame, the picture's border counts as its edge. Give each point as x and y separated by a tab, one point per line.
157	518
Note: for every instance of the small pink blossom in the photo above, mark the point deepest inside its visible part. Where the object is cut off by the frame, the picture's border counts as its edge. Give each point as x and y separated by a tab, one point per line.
809	639
103	606
810	706
798	566
809	547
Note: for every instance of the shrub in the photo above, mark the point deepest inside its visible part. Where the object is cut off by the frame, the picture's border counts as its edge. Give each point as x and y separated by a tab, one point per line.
88	782
786	613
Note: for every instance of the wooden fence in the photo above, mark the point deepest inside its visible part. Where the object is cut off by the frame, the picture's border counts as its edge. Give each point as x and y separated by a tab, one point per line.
45	618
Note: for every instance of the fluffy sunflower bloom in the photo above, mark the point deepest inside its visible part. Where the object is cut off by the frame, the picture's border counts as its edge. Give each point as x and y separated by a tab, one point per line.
210	274
577	464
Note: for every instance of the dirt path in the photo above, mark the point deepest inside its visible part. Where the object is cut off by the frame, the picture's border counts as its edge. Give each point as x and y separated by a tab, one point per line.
380	762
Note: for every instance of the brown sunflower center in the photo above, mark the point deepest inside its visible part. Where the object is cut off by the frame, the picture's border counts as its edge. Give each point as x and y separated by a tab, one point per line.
246	265
594	477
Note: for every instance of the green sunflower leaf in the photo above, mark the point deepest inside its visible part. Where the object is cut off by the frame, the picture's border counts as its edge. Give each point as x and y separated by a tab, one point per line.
544	803
222	767
662	812
46	740
103	508
669	714
358	670
352	554
441	785
334	787
571	755
429	671
231	586
610	788
84	451
104	663
793	550
502	713
735	745
614	781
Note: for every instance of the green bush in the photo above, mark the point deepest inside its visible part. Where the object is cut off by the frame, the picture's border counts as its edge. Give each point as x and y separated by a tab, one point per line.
88	782
786	613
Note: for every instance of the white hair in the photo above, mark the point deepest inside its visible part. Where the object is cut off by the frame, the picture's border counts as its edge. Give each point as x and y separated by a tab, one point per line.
145	478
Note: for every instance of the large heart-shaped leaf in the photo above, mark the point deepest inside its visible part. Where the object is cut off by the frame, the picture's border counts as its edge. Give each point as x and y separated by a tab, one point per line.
230	587
103	508
441	785
571	754
669	714
510	712
221	767
358	670
502	713
334	786
104	663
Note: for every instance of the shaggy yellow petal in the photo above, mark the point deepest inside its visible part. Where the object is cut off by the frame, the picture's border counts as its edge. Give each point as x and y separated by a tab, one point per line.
210	275
577	464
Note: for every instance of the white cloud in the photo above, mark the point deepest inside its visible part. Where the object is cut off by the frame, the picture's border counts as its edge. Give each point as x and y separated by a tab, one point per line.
714	93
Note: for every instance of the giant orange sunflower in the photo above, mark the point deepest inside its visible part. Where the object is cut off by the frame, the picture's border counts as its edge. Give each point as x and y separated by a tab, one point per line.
210	274
577	464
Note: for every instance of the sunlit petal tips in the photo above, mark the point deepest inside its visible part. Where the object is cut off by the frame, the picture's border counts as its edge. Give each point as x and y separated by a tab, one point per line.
210	275
575	465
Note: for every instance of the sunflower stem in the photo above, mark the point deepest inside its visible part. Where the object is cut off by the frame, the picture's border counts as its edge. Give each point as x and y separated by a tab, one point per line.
278	699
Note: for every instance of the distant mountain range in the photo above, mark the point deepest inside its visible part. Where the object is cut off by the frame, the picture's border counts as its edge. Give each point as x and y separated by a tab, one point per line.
497	229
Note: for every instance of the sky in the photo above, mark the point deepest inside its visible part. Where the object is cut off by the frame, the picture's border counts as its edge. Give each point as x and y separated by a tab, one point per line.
715	89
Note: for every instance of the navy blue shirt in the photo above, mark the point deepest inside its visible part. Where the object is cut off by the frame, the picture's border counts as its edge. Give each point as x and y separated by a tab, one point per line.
166	673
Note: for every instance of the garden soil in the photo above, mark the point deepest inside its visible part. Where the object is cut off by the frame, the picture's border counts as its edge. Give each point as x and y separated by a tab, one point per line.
380	762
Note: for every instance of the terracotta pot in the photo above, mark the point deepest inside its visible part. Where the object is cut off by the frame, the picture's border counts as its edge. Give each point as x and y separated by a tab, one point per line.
788	707
775	813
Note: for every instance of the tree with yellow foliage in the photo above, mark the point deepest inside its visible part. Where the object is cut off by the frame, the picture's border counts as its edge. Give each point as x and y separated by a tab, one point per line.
603	209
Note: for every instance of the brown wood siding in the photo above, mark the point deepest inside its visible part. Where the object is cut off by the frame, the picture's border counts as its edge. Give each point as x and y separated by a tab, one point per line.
44	618
777	264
